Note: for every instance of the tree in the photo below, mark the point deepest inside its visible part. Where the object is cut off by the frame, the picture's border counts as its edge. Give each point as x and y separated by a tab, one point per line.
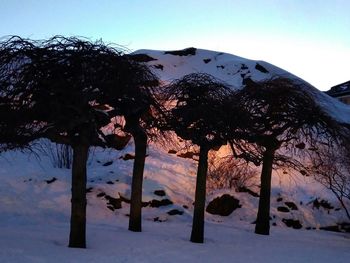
66	81
196	116
135	101
275	114
330	166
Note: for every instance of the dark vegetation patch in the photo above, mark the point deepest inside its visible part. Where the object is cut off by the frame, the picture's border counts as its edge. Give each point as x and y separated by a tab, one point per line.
113	203
220	66
292	223
261	68
184	52
172	151
279	199
109	182
223	205
322	203
89	190
142	57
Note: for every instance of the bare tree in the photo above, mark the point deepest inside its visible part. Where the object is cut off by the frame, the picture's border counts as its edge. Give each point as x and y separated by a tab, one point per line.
195	116
330	166
275	114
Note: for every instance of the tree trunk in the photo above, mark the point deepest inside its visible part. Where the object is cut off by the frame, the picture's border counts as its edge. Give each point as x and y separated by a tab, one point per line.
140	140
263	219
197	235
77	237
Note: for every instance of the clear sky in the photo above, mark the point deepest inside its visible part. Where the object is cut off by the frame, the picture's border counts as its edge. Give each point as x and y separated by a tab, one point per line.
310	38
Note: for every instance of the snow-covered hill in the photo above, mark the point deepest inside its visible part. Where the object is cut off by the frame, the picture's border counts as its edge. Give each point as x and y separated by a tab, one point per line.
35	197
231	69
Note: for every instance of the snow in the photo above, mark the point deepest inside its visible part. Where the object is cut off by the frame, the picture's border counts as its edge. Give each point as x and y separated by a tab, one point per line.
35	209
232	70
34	218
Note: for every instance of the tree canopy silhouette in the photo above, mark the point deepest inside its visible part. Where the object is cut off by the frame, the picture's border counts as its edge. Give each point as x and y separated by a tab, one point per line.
73	88
275	114
196	117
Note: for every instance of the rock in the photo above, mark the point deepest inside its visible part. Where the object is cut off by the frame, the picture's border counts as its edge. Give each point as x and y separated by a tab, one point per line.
107	163
159	192
185	206
292	223
185	52
206	60
158	203
279	199
172	151
109	182
291	205
283	209
142	57
89	190
261	68
51	180
175	212
223	205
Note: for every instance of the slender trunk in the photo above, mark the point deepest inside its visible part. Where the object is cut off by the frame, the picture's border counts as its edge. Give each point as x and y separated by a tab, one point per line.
263	219
140	140
77	237
197	235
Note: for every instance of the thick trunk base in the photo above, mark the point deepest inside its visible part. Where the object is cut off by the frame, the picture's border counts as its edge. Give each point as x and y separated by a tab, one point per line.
77	236
197	234
262	226
135	219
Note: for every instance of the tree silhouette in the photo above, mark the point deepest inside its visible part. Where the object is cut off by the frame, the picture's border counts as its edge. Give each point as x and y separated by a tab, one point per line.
196	116
135	101
275	114
65	82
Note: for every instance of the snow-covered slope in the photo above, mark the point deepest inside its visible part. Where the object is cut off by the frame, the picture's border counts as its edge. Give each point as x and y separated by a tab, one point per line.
231	69
35	198
35	207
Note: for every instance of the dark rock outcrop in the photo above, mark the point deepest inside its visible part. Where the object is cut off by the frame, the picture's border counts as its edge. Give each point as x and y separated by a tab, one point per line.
223	205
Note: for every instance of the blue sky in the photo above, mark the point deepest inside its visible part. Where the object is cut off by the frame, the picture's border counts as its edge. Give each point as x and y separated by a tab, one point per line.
310	38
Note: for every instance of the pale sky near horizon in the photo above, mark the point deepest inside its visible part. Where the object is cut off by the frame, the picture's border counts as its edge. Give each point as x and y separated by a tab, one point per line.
309	38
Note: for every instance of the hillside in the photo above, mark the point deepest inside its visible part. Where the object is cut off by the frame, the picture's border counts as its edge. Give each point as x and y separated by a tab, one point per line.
35	196
231	69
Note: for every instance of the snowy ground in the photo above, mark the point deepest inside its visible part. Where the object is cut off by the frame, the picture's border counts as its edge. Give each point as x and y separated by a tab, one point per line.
34	217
